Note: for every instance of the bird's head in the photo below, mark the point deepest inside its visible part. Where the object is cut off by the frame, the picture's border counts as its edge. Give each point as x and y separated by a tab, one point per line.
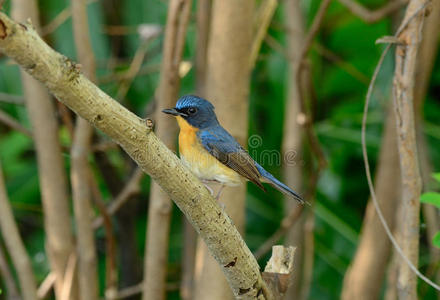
197	111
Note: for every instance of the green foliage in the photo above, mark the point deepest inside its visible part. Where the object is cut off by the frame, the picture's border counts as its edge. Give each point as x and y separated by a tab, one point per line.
433	199
436	240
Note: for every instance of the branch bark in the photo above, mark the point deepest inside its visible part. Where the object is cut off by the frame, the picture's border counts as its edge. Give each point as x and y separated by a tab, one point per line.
403	92
279	270
15	245
159	212
52	177
62	77
80	171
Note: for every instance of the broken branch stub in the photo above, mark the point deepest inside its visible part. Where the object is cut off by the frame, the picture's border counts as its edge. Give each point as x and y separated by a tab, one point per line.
279	270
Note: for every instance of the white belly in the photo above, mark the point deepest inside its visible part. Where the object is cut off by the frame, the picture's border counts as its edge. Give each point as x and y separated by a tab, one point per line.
208	168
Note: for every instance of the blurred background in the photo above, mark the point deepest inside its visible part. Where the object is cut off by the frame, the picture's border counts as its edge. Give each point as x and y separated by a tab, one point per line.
300	98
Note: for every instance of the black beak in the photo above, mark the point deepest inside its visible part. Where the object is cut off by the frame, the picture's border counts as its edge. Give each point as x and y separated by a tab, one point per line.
174	112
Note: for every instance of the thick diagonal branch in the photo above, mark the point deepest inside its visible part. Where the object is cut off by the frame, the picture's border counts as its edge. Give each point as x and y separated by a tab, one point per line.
63	78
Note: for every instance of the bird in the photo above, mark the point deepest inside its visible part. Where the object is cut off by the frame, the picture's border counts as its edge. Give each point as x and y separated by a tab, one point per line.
211	153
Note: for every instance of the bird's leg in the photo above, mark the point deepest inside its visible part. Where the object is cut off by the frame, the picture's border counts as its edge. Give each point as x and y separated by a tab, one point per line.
219	192
209	189
205	183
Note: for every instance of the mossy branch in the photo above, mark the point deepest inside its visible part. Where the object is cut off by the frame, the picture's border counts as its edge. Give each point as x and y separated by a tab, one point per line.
64	80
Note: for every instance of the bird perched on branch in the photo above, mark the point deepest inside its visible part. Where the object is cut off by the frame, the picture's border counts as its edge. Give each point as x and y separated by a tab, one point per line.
211	153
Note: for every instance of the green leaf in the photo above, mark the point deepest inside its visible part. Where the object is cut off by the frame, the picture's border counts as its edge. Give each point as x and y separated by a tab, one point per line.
436	240
431	198
436	176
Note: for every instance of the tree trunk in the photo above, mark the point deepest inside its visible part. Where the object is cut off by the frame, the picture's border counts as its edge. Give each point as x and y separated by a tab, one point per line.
52	176
227	86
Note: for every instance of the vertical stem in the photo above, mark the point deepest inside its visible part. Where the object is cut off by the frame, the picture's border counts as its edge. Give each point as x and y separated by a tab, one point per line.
80	170
159	213
15	245
292	139
52	176
83	211
403	92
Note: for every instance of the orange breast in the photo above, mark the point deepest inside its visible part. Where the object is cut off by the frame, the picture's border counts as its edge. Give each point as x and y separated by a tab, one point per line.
187	136
199	160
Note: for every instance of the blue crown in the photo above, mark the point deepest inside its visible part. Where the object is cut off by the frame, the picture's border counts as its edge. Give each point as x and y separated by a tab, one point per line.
193	101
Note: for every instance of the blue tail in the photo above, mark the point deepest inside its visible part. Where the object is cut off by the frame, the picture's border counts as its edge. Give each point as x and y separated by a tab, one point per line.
278	184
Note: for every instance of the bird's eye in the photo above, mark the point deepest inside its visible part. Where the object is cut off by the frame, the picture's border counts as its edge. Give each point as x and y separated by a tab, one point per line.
192	110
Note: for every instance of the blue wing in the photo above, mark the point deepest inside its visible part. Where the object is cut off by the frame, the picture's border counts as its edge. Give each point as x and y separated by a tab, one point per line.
219	143
227	150
219	138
